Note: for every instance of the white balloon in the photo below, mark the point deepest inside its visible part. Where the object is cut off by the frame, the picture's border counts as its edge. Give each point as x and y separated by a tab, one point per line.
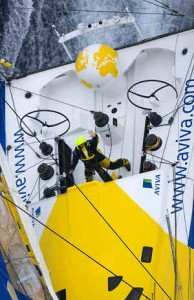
96	65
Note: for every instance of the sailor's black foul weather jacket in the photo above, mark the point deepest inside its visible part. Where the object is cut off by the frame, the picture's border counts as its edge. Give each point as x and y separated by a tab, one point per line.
88	154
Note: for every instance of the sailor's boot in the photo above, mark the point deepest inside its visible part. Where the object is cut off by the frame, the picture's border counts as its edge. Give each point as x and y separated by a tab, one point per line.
127	164
89	175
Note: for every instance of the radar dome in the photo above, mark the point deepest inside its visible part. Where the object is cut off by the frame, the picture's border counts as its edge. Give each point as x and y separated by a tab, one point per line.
96	64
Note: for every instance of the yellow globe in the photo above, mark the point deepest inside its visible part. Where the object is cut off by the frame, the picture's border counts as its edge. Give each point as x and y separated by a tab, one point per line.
96	64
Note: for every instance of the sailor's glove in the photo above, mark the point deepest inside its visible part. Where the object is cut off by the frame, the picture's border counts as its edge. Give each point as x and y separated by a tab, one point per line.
91	133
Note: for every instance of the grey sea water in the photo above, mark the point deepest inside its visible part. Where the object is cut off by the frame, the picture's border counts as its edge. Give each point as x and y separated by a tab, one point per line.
28	40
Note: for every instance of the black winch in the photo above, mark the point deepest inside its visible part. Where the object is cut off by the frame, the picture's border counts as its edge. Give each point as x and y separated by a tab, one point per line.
101	119
148	166
155	119
152	142
46	148
45	171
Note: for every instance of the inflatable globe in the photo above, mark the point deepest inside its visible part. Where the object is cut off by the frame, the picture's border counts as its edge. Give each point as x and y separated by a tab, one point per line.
97	64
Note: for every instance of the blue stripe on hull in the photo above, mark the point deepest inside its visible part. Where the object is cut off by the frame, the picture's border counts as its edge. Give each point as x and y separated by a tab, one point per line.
191	232
2	116
6	290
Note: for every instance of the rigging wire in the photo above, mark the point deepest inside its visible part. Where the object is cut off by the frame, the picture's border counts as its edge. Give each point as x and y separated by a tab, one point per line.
175	246
172	111
39	198
18	7
159	4
69	243
172	245
165	145
43	159
37	193
177	107
52	157
165	6
110	135
28	144
71	9
119	12
162	159
30	195
53	99
175	11
186	75
13	103
30	131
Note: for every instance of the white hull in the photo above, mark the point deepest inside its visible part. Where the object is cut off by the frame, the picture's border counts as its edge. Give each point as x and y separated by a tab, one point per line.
162	200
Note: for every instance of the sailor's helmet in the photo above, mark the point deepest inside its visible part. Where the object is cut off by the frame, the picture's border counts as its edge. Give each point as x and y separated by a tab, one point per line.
80	140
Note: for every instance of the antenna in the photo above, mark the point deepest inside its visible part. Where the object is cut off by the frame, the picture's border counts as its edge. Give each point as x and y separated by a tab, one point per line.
136	27
63	43
83	28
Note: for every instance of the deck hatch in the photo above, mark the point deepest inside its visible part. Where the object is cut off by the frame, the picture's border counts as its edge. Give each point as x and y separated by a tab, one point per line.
62	295
114	121
113	282
146	254
135	294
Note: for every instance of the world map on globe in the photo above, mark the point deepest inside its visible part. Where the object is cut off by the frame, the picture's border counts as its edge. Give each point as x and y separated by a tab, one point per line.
96	64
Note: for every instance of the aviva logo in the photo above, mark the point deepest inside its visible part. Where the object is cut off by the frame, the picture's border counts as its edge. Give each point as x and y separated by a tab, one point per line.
38	212
147	183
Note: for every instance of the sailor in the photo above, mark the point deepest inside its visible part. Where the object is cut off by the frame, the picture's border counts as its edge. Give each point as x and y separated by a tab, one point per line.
87	151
